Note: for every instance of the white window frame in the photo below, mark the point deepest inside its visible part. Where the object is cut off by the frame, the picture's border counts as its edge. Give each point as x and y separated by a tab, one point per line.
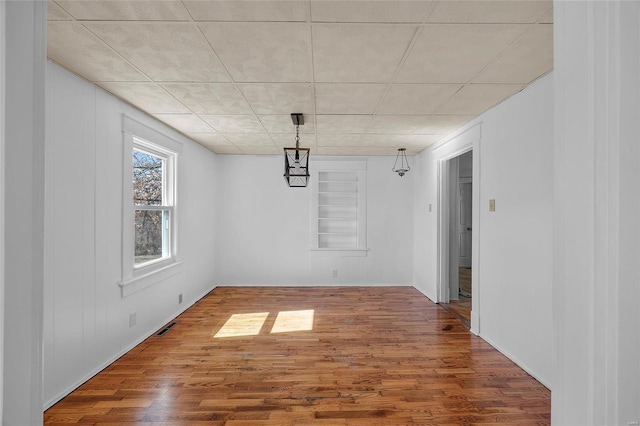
360	168
138	136
168	187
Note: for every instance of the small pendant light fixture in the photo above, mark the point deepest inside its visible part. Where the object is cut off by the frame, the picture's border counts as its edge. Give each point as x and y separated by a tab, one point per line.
296	160
403	167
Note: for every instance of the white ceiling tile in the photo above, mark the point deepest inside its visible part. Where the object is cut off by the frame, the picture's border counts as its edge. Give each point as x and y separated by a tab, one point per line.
224	149
477	98
340	98
147	96
185	123
209	139
370	11
72	46
416	124
547	18
418	142
286	140
378	150
526	60
249	139
416	98
262	52
126	10
335	150
164	51
413	143
334	124
284	124
259	150
56	13
489	11
442	124
358	53
400	141
235	123
210	98
478	53
238	11
455	53
395	124
382	140
338	140
279	98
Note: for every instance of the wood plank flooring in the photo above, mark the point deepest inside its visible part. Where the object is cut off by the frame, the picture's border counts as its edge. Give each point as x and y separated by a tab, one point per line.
461	309
341	356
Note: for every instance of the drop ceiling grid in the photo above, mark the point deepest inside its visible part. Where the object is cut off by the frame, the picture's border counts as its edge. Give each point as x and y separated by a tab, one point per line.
361	108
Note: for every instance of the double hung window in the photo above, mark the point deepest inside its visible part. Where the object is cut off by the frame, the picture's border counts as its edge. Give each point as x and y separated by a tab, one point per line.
149	212
152	204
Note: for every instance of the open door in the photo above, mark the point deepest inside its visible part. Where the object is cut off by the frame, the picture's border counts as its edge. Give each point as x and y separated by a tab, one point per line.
460	189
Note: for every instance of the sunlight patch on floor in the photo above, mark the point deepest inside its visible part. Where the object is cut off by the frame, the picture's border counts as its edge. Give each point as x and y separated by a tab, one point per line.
243	325
251	324
288	321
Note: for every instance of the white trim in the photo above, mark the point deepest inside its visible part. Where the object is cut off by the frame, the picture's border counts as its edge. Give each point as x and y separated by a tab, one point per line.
2	112
142	131
318	166
456	146
517	361
318	284
149	277
136	134
24	156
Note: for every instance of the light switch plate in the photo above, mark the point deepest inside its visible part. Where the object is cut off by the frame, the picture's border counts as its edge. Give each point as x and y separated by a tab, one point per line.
492	205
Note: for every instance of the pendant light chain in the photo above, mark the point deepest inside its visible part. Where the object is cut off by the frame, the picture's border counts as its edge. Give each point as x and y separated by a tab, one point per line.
297	136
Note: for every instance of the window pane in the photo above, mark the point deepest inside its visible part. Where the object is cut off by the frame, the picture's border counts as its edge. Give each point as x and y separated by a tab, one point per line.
147	179
151	235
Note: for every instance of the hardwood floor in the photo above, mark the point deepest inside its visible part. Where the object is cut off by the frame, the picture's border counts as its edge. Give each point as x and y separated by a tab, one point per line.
464	281
340	356
461	309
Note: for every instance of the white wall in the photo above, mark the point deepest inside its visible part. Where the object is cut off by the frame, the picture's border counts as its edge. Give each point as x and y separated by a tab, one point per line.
264	228
513	265
24	125
2	113
596	366
86	317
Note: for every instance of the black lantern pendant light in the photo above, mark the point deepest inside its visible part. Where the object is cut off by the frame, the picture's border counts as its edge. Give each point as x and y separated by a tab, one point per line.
296	160
403	167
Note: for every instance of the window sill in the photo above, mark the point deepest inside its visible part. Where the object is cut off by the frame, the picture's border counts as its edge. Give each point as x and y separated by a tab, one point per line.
344	252
156	274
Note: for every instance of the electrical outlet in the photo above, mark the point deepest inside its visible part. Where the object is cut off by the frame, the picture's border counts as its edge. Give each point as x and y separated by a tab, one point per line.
180	298
335	273
132	319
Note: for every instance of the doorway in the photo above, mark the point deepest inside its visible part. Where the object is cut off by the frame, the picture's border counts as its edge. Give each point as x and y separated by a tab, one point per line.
458	291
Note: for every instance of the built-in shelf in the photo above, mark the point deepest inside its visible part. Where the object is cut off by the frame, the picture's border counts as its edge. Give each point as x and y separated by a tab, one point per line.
338	206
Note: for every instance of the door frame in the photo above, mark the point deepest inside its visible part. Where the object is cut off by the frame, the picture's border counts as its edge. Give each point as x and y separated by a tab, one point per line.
2	112
467	140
